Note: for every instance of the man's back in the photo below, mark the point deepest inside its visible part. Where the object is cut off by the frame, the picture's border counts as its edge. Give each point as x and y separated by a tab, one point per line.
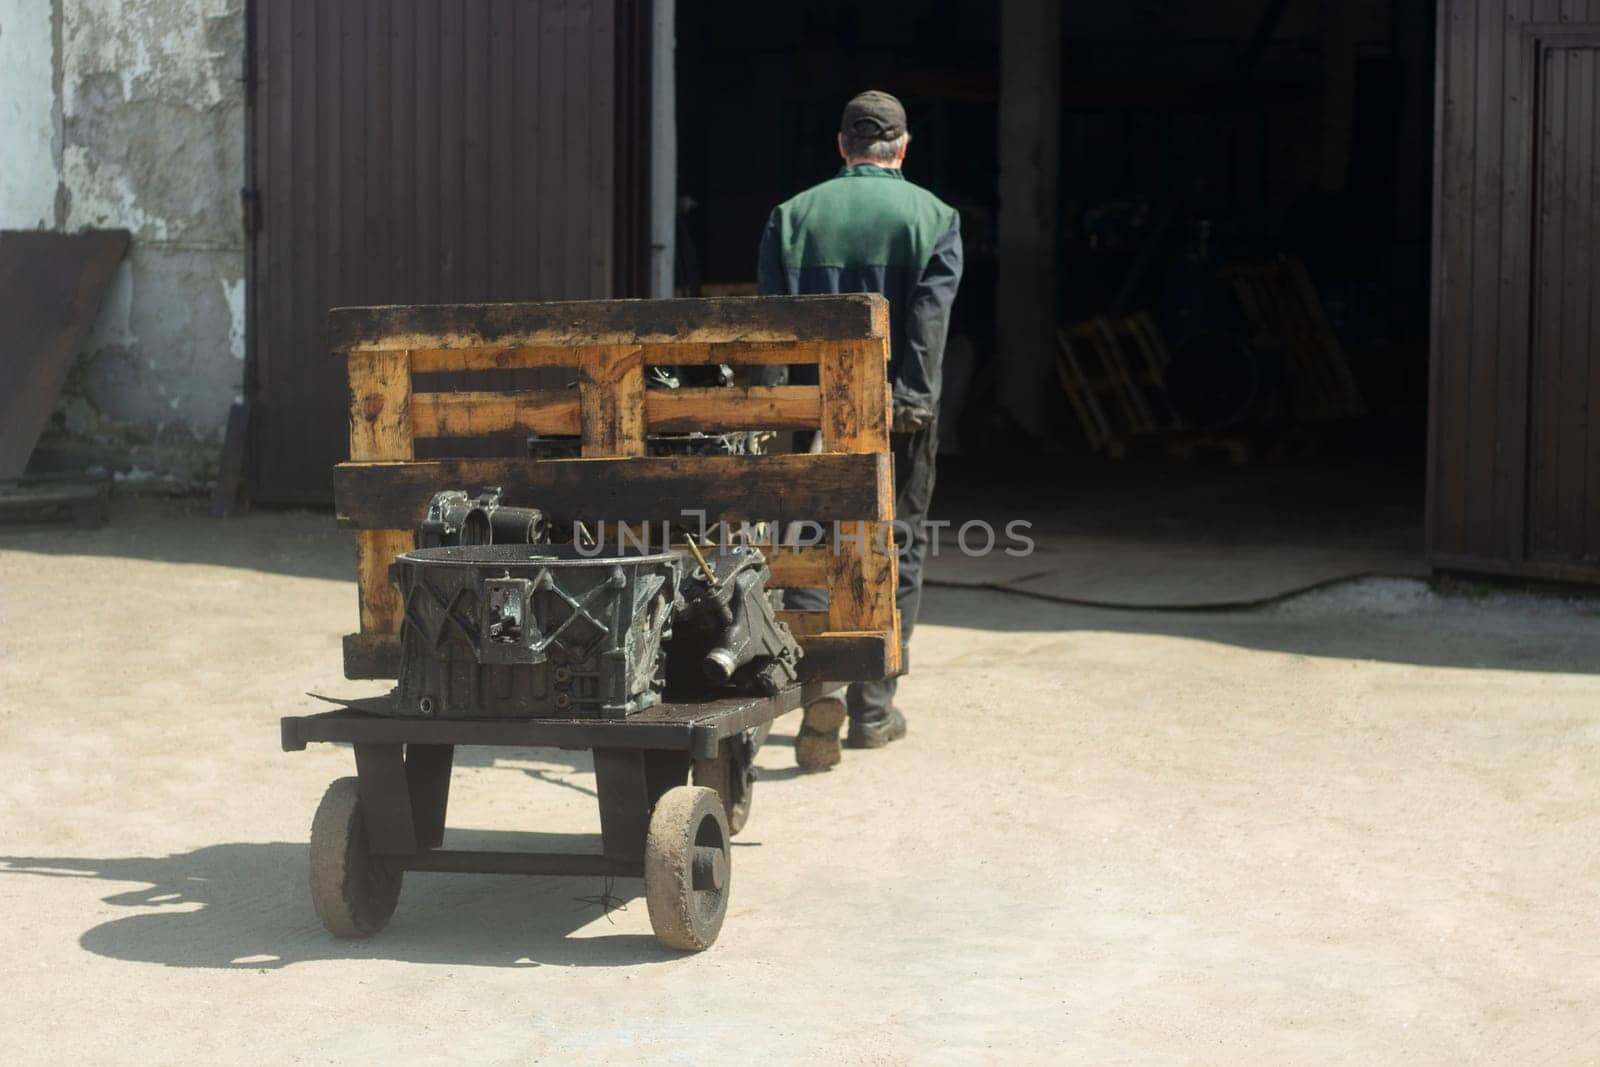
868	230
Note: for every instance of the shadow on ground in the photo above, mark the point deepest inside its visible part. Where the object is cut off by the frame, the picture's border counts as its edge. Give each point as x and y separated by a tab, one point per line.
1393	621
297	543
246	906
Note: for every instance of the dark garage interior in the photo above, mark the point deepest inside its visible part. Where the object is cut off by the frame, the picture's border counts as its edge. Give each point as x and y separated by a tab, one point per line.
1235	242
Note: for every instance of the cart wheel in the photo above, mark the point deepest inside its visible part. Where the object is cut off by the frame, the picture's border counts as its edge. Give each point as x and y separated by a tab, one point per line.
687	868
353	891
731	775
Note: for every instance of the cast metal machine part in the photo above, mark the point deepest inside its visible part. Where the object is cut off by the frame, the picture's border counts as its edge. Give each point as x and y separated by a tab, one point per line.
456	517
724	631
528	631
493	630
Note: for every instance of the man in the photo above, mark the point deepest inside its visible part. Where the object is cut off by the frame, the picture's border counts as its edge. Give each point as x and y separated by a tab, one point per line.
868	230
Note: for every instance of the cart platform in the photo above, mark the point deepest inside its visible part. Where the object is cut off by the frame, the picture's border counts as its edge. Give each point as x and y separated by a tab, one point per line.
696	727
403	780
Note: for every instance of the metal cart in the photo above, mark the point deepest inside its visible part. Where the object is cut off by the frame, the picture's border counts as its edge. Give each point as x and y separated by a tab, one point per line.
673	781
390	818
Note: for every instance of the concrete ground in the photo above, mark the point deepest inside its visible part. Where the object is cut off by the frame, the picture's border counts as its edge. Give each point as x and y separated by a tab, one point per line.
1360	826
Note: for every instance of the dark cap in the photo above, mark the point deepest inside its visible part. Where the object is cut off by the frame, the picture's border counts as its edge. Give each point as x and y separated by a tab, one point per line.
873	116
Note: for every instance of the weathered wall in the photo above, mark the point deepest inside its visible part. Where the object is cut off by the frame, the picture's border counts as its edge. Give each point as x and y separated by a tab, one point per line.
147	134
29	172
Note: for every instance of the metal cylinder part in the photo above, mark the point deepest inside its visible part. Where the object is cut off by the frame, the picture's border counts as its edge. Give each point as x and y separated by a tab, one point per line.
516	526
719	665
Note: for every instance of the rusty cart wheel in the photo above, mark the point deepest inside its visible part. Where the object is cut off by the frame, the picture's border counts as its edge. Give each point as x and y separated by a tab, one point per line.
687	868
732	774
353	891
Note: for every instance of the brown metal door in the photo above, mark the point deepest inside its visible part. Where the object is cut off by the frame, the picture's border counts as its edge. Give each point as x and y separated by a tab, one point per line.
407	152
1563	516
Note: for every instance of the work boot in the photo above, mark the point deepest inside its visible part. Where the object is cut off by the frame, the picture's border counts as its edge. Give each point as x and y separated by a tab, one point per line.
876	729
817	746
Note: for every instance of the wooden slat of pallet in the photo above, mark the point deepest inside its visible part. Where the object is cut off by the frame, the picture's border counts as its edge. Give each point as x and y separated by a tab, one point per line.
1114	375
798	568
371	655
779	407
381	605
1282	305
830	656
380	405
608	322
473	414
552	412
1145	336
656	353
805	623
611	401
1109	349
1316	318
849	656
1272	309
1081	392
643	489
862	565
380	429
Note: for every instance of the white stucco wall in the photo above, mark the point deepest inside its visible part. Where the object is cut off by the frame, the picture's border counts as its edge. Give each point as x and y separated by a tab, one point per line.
143	129
29	170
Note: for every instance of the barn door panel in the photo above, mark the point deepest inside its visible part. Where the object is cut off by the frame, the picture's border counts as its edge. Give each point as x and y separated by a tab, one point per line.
413	151
1563	484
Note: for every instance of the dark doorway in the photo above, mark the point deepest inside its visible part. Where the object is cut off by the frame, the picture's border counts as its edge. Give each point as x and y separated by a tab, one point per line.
1193	140
759	92
1243	189
421	151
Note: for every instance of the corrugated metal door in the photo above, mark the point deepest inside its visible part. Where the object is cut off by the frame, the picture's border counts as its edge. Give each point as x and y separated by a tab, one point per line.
414	151
1514	474
1564	394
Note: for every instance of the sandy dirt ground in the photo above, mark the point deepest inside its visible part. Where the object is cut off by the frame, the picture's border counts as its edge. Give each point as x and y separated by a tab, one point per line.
1362	826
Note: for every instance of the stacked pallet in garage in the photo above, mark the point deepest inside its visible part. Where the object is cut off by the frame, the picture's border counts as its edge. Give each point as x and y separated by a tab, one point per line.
396	354
1114	375
1281	304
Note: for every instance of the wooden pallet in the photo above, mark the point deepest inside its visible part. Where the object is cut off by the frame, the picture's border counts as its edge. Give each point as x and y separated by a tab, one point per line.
1284	311
383	491
1116	396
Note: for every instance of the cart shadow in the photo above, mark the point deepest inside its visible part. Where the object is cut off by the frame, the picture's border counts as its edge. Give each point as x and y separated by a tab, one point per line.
245	906
780	774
